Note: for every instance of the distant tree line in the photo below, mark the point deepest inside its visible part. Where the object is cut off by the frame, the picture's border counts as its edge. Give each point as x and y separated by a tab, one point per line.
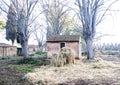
108	46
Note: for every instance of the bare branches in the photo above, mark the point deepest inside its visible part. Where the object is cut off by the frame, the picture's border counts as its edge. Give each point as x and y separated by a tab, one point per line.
55	14
88	14
3	10
3	3
103	15
31	7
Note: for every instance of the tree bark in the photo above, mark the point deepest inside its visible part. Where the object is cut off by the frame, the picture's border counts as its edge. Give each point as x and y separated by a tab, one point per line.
89	48
25	49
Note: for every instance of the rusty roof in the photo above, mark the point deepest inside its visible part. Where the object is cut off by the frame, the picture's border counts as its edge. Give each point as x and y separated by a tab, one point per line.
32	46
64	38
6	45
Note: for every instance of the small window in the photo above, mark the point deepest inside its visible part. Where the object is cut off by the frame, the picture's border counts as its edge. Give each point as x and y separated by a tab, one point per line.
34	49
62	44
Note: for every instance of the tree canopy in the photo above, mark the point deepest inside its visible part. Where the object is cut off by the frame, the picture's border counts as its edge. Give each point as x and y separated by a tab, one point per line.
11	25
2	24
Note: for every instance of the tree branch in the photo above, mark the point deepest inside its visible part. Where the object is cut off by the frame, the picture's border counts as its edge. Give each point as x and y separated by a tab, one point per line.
99	21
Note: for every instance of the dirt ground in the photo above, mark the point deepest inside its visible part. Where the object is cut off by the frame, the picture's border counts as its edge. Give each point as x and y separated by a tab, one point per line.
104	70
8	76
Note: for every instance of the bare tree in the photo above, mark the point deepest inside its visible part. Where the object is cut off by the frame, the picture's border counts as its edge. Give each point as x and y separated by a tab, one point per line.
88	14
39	34
56	13
24	14
22	11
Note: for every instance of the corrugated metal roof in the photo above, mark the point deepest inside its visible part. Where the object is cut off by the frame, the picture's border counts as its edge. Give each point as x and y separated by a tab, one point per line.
64	38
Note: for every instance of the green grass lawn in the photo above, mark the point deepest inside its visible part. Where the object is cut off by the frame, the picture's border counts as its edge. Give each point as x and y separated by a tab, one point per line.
13	68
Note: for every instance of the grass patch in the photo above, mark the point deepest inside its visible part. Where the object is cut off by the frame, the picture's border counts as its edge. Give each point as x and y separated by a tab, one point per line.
38	54
23	68
39	82
5	80
44	63
5	58
32	55
33	61
29	60
41	53
13	68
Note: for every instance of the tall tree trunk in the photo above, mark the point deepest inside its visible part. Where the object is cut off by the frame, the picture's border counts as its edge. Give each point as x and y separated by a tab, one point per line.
25	49
89	48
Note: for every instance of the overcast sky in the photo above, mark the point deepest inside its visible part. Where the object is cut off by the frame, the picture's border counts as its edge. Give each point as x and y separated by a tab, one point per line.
109	28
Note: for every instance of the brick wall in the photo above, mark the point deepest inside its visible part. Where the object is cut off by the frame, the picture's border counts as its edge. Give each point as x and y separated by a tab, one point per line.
54	47
74	46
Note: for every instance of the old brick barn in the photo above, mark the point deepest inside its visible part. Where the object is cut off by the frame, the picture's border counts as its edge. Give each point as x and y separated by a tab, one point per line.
54	44
7	50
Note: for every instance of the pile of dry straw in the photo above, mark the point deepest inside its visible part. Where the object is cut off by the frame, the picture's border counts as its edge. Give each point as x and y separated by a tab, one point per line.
63	57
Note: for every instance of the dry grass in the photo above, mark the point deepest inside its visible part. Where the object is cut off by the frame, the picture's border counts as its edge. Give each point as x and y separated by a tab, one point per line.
97	69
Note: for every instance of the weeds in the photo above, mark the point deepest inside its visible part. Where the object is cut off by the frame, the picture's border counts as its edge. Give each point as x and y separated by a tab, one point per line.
32	55
29	60
5	80
13	68
41	53
39	82
23	68
33	61
5	58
